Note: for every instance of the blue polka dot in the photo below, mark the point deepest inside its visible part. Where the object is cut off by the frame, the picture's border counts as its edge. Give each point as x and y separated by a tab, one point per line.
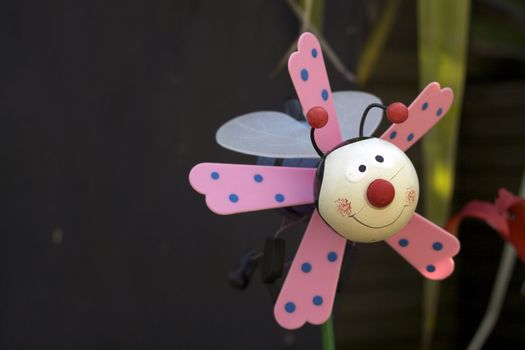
258	178
304	74
403	242
279	197
439	112
431	268
289	307
234	198
314	53
215	175
393	135
437	246
317	300
324	94
332	256
306	267
424	106
410	137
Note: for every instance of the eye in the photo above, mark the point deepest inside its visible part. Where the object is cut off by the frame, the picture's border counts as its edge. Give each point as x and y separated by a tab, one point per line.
355	172
384	160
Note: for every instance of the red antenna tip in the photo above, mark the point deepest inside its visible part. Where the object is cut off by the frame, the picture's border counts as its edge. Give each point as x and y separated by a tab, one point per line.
397	112
317	117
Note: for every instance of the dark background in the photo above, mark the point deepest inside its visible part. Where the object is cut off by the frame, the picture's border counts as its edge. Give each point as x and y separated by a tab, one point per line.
104	108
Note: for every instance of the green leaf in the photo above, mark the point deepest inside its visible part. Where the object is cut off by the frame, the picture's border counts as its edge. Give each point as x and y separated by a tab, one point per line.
443	42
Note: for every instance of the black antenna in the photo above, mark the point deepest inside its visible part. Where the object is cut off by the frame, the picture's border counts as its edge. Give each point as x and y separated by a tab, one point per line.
396	112
317	149
317	117
365	114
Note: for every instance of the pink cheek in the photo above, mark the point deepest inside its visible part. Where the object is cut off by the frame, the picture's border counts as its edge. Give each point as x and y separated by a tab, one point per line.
344	207
411	196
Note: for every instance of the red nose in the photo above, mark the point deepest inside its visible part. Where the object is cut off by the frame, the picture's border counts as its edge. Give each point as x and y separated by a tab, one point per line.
380	193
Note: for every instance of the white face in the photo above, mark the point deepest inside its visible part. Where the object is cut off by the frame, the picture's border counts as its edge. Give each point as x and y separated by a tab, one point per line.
369	191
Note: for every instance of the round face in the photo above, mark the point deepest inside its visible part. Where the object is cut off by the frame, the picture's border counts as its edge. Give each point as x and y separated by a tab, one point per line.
369	190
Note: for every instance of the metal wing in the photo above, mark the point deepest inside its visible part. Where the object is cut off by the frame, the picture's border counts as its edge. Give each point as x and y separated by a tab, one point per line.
267	134
350	106
277	135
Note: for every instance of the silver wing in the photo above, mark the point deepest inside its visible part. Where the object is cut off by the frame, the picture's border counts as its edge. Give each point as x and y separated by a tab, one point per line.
350	106
277	135
267	134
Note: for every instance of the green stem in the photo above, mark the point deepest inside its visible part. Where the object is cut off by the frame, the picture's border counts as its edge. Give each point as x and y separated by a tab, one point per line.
327	335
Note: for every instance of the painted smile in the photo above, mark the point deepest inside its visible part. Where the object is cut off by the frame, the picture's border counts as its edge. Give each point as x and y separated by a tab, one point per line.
378	227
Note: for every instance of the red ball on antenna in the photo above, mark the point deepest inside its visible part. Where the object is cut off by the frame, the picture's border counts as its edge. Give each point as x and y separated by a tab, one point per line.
397	112
317	117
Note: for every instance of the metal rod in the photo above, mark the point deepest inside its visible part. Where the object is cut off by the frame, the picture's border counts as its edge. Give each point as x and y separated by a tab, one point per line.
505	269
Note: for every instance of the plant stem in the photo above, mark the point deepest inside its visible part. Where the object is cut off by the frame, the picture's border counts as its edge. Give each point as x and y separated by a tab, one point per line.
327	335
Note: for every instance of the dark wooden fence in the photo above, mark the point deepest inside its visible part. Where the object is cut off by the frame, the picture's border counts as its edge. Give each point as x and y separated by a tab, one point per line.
104	108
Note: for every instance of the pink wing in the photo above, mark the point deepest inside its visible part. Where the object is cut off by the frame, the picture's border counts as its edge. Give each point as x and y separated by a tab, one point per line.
309	289
234	188
308	73
426	110
427	247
